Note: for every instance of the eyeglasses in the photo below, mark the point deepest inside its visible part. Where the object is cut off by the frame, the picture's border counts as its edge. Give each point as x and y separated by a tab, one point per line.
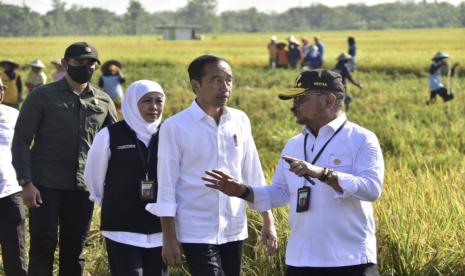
303	97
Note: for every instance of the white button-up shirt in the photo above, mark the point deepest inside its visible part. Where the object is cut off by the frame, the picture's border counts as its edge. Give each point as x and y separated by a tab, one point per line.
338	229
94	175
8	183
190	143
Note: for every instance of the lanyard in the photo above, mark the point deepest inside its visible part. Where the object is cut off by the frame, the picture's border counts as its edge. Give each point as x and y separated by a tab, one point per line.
145	161
321	150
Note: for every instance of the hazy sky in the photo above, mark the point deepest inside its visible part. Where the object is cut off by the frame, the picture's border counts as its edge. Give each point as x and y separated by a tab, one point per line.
120	6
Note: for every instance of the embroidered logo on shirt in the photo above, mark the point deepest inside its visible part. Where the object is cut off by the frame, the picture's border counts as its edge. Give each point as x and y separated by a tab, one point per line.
337	161
122	147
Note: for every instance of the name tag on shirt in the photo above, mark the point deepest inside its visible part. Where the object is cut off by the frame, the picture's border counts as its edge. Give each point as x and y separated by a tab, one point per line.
146	190
122	147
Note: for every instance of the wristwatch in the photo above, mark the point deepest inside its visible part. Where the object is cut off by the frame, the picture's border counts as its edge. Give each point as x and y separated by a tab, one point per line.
23	181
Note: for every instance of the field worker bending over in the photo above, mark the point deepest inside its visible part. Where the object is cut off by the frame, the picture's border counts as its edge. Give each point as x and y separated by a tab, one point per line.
62	119
329	174
12	227
440	66
121	173
342	67
209	226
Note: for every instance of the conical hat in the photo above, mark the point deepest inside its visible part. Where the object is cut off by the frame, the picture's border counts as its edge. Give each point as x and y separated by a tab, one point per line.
10	61
36	63
344	56
440	55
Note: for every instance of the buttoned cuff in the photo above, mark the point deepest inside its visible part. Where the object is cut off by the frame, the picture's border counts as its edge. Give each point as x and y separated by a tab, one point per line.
347	184
261	200
162	209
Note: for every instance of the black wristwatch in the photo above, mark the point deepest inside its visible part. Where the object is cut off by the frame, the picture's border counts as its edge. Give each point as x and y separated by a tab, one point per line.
245	193
23	181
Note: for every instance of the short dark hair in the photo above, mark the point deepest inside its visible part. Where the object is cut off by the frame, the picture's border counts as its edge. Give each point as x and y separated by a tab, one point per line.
196	69
351	40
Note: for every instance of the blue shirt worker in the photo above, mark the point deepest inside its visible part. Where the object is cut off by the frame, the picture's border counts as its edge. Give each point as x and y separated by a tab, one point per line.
440	66
329	175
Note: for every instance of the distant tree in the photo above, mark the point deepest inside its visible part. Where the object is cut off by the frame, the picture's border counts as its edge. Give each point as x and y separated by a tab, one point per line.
201	13
19	21
135	16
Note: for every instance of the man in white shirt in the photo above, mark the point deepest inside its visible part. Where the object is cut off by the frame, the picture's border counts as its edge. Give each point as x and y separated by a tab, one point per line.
210	226
12	216
329	174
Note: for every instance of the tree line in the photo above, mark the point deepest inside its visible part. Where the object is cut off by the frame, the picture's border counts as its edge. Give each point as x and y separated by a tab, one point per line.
76	20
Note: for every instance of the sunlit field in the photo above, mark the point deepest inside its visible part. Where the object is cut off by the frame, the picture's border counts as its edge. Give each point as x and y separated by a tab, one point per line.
421	214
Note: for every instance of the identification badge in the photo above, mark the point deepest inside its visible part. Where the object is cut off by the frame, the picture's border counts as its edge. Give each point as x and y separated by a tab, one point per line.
146	190
303	199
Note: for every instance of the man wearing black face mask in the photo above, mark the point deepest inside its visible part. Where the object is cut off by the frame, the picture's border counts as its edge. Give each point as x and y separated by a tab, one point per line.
62	119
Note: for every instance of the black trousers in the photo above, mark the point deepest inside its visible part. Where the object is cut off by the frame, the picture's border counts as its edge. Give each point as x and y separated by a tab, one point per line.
353	270
445	95
71	212
128	260
214	260
12	235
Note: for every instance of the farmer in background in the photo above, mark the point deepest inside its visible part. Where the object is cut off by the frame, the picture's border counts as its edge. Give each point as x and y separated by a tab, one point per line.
321	51
282	60
328	174
13	94
352	50
111	81
441	66
59	70
342	67
272	52
293	52
55	129
36	76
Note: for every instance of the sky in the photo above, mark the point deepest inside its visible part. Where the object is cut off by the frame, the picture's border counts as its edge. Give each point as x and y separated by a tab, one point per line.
120	6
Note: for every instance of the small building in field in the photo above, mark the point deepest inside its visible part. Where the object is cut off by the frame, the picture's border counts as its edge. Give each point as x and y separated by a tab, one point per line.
179	32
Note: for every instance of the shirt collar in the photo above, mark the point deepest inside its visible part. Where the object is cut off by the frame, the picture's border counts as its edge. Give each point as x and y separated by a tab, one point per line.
198	113
333	125
63	83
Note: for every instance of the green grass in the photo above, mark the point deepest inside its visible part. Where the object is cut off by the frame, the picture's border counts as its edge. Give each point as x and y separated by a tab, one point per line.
420	216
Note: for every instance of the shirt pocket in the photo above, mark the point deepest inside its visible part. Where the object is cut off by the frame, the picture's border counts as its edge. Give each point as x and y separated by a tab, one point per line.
340	162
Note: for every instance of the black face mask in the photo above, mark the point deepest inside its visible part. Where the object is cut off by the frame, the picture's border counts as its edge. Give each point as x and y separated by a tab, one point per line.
80	74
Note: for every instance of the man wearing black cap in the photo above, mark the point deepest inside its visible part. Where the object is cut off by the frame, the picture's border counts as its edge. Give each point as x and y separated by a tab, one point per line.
329	174
55	128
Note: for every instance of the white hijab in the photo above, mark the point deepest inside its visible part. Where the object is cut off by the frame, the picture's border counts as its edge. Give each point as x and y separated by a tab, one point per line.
131	114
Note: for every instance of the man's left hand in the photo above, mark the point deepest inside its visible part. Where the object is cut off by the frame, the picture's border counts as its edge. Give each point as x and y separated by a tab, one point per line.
224	183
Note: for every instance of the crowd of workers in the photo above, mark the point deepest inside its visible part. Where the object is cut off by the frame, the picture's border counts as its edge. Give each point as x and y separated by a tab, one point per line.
111	80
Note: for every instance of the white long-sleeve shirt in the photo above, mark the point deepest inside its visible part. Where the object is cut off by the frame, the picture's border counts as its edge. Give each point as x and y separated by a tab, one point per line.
94	175
8	183
338	229
190	143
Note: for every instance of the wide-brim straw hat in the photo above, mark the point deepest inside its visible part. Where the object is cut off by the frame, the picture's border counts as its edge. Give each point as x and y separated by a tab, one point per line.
56	62
37	63
440	55
344	56
10	61
110	62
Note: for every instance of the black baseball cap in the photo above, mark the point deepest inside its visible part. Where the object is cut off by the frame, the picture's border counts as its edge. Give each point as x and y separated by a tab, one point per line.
318	79
81	50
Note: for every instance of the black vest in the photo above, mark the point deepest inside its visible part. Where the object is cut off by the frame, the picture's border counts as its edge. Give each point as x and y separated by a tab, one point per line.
121	208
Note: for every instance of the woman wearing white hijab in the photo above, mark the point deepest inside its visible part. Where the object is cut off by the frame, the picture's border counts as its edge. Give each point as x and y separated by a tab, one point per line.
121	177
